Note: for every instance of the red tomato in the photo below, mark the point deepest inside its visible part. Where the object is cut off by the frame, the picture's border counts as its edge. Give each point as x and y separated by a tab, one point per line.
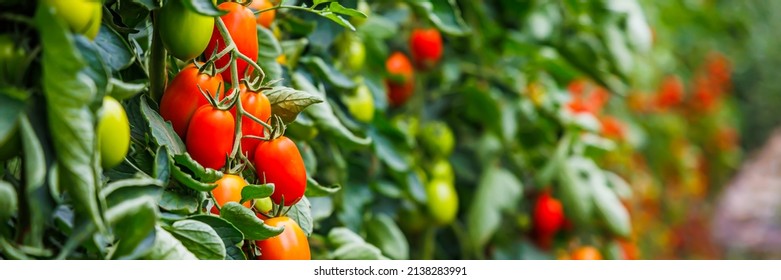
240	22
210	136
719	70
671	92
228	190
612	127
426	47
264	18
400	82
548	215
182	97
291	244
280	162
256	104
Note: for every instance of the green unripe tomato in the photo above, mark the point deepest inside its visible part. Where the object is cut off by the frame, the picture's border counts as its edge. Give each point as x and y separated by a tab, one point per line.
442	201
441	169
438	138
361	103
12	61
263	205
362	7
185	33
113	133
82	16
352	52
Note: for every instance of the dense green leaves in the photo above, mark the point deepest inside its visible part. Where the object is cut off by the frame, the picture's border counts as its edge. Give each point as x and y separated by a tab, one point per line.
199	238
498	191
383	232
247	222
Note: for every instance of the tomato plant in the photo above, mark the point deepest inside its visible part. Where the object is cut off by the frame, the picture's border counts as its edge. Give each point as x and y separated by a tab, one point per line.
361	104
279	161
240	24
183	96
292	244
12	61
548	216
210	136
442	201
185	33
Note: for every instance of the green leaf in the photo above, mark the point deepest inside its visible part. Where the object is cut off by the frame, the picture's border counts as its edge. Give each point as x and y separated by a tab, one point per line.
199	238
204	7
337	19
498	190
148	4
322	207
188	180
340	236
287	103
118	191
162	166
230	235
132	221
328	73
247	222
301	212
576	195
68	92
250	192
268	46
200	172
388	151
339	9
38	200
350	246
324	117
10	111
293	50
179	201
444	14
383	232
610	208
314	189
114	49
121	90
618	185
8	202
167	247
162	131
96	68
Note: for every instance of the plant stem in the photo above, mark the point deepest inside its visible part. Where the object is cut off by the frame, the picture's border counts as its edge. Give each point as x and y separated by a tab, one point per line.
157	75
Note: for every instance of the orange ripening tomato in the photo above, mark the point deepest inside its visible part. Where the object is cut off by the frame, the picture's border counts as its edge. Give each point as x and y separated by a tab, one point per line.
706	96
586	253
278	161
400	83
210	136
240	23
291	244
256	104
228	190
426	47
182	97
612	127
670	93
264	18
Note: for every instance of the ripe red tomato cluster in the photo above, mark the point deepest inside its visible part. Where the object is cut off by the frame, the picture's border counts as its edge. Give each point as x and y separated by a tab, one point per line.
425	45
209	132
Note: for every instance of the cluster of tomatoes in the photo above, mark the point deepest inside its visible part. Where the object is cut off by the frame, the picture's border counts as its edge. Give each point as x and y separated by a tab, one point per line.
194	104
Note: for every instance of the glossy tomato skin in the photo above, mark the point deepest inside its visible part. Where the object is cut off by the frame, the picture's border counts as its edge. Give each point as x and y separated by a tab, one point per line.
182	97
228	190
113	133
184	33
280	162
548	215
81	16
291	244
426	47
257	104
265	18
210	136
400	83
240	22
